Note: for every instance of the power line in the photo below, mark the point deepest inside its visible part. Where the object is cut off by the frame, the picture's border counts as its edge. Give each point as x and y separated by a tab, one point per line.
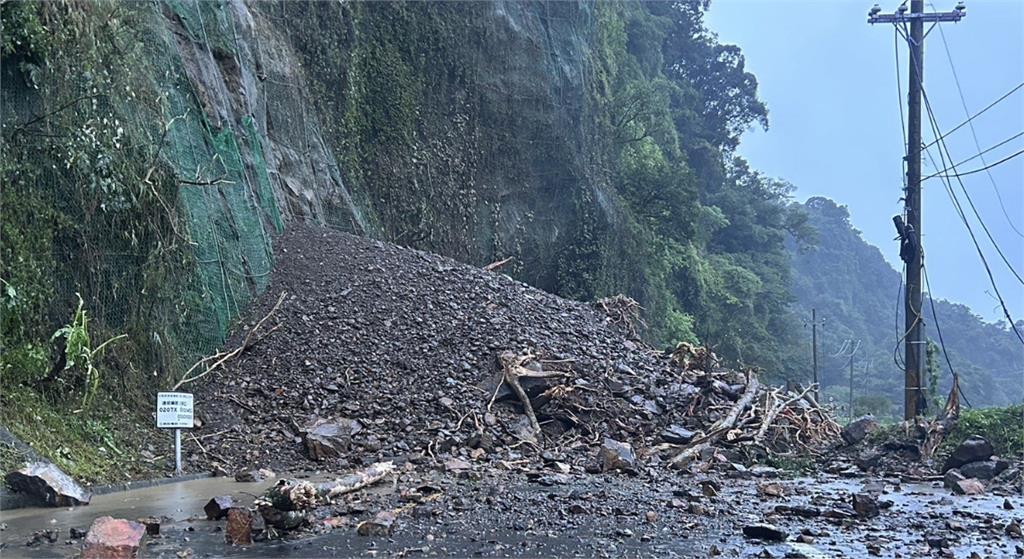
974	134
963	216
974	116
981	154
942	343
978	170
945	148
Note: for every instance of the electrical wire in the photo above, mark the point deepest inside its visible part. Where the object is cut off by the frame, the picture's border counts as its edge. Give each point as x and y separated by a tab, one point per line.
943	154
963	217
972	117
974	134
944	172
942	343
980	154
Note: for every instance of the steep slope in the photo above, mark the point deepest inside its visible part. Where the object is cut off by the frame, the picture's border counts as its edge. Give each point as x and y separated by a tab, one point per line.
153	152
855	290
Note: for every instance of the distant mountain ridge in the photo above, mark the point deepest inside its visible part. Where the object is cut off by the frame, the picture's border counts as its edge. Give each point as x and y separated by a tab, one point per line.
855	293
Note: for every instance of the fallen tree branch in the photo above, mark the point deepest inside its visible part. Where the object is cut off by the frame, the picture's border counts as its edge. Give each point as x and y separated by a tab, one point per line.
769	417
495	265
722	426
511	364
222	357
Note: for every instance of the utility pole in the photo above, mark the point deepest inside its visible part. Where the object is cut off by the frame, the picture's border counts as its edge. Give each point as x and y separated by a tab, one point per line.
814	350
911	250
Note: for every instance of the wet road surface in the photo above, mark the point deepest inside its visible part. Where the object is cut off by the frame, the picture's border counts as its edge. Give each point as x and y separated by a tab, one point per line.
595	515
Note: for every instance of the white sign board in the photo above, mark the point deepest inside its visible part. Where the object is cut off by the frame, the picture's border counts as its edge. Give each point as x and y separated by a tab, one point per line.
174	410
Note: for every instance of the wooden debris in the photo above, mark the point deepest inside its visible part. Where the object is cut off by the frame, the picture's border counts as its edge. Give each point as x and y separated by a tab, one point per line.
355	481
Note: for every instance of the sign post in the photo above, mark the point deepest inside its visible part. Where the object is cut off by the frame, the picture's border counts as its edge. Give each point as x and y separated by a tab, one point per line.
174	410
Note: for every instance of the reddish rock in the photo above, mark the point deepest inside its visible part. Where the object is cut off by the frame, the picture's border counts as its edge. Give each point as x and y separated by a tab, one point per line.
968	487
380	525
218	507
113	538
239	528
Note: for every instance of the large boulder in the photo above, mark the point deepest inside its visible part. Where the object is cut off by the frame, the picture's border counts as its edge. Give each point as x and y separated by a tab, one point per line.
113	538
973	449
984	469
47	482
858	429
330	438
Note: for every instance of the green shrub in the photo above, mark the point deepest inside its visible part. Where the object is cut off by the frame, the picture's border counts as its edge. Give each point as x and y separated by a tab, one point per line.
1003	427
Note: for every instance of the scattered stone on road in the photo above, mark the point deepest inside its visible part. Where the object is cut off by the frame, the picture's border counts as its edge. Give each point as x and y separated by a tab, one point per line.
330	438
111	538
615	455
48	483
762	531
677	434
973	449
951	478
968	487
984	469
239	527
217	507
248	476
380	525
858	429
865	505
152	525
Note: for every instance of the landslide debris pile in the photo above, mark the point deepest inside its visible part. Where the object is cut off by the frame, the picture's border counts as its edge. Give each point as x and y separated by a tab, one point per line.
378	352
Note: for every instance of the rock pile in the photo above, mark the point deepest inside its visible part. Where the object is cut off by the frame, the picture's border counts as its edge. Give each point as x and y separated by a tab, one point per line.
379	352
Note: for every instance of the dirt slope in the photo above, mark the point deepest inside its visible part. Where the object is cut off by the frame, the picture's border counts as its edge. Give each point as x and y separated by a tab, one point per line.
406	343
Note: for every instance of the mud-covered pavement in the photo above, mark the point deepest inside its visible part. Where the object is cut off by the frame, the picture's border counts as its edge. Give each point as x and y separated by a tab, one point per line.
613	515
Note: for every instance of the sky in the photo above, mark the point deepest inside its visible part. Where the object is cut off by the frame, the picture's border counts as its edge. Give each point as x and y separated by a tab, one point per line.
829	80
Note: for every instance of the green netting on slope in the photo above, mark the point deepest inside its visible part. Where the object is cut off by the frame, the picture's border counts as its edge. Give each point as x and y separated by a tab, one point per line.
228	207
262	187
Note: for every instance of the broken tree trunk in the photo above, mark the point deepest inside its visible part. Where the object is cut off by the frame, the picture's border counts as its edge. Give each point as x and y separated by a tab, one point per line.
769	418
722	426
355	481
938	429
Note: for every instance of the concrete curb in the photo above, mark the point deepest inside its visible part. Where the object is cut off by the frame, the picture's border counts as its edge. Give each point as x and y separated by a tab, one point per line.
9	500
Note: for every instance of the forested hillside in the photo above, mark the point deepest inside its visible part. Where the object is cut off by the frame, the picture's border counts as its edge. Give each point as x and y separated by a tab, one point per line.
855	290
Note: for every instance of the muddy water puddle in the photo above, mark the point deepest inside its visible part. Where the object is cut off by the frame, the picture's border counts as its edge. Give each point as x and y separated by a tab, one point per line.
600	515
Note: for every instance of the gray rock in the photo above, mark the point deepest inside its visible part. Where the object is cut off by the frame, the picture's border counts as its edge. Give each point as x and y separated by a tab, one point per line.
47	482
865	505
765	532
984	469
239	526
616	456
973	449
951	478
330	438
858	429
677	434
248	476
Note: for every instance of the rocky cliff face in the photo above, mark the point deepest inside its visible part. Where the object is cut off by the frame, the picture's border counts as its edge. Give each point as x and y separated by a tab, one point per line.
453	127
